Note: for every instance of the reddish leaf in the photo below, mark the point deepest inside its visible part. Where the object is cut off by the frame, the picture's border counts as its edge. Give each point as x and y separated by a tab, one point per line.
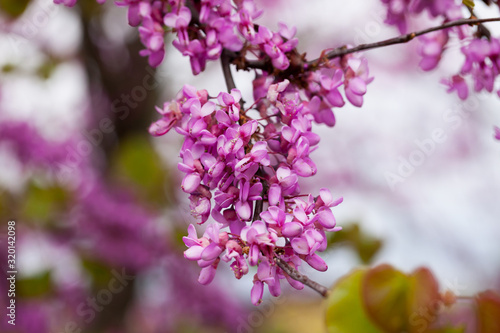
384	291
488	312
423	300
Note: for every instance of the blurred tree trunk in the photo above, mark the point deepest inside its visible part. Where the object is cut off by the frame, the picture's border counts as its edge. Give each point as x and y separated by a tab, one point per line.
120	81
117	78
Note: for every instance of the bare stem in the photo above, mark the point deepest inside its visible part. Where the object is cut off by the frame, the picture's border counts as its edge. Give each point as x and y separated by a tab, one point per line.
258	209
481	29
294	274
341	51
226	61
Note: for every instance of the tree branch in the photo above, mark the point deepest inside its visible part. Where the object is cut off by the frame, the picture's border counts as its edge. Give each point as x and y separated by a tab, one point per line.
341	51
225	60
259	204
294	274
481	29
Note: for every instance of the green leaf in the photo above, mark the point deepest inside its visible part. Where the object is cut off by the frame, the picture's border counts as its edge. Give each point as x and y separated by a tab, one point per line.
365	245
488	312
136	162
345	312
42	204
14	8
384	291
8	68
35	286
468	3
46	69
393	302
100	273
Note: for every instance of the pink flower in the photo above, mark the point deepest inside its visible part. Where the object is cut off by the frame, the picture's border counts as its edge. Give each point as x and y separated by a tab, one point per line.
68	3
458	84
230	103
171	115
257	237
248	165
152	36
330	80
356	79
431	48
178	20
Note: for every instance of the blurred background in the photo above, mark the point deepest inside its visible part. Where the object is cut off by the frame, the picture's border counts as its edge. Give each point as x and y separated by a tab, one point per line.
98	208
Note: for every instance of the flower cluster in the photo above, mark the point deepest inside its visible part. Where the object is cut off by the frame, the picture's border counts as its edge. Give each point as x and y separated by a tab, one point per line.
213	25
482	63
253	168
482	54
242	171
431	45
242	166
204	29
400	11
323	86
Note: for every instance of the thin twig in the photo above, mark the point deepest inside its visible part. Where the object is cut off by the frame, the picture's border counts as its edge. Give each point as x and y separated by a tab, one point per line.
398	40
226	61
259	204
195	15
294	274
481	28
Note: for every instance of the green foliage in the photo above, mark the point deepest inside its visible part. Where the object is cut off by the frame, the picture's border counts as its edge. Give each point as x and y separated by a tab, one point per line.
100	273
35	286
345	312
383	299
365	245
384	294
137	163
46	69
8	68
468	3
13	8
41	204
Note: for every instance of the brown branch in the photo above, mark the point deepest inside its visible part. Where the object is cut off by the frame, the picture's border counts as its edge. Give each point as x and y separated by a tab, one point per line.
294	274
259	204
481	28
341	51
225	62
195	15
